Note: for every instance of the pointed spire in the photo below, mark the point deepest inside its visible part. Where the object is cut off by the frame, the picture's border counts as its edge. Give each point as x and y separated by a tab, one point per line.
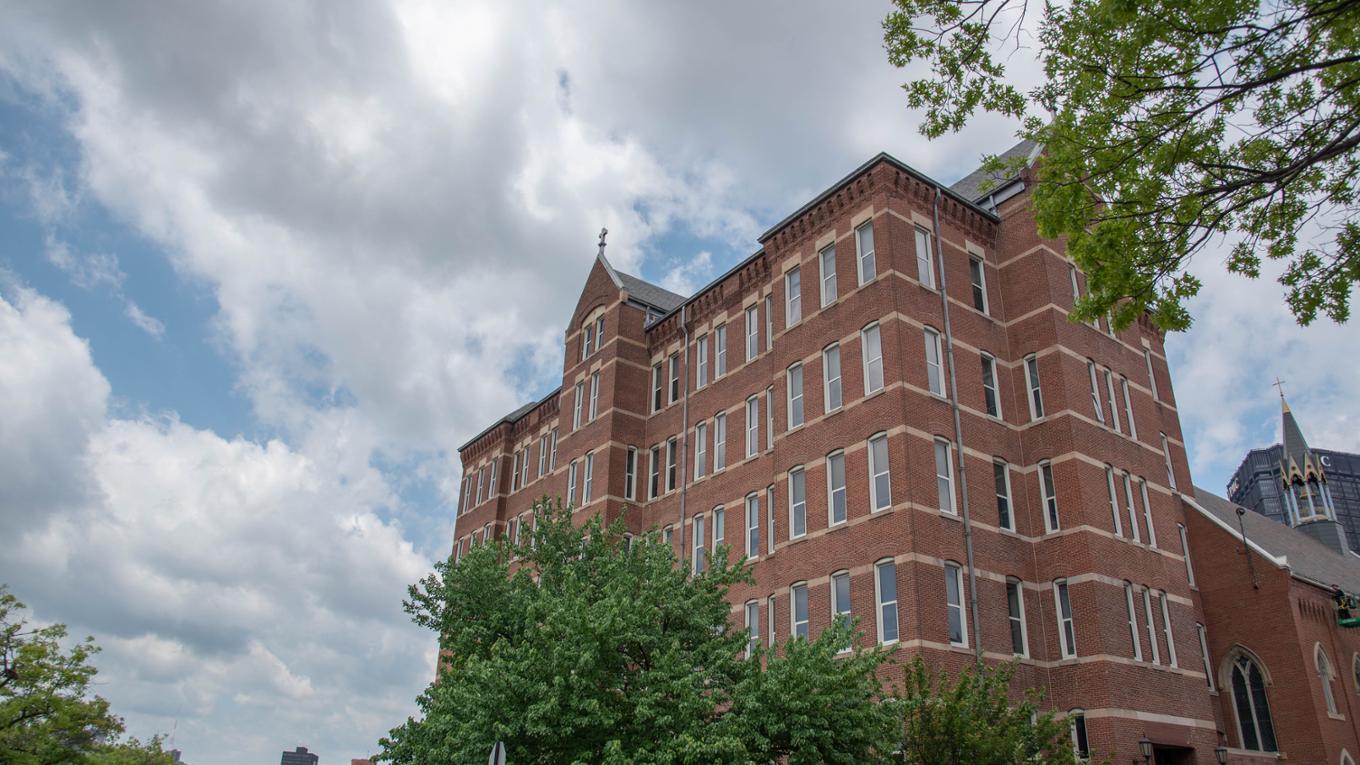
608	267
1297	461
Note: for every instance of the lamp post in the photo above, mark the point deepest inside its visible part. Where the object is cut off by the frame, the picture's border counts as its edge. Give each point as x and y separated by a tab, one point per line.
1221	754
1145	747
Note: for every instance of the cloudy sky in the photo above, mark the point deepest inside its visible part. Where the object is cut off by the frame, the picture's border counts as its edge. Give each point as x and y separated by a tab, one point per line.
264	265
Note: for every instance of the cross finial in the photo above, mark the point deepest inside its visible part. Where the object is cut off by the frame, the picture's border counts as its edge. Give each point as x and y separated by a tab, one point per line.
1280	385
603	233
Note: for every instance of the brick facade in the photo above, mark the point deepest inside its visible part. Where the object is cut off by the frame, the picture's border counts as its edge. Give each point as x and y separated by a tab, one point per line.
1028	287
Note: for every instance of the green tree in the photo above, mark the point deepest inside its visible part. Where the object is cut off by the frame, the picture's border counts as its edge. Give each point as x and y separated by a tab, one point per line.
600	649
1169	126
47	714
972	719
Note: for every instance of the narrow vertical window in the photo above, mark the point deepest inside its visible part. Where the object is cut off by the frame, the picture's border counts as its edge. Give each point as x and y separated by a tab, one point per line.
658	386
654	473
542	455
701	361
1166	457
719	351
587	483
885	594
925	267
594	395
797	503
1152	377
700	450
1133	622
840	601
1128	407
752	333
752	627
719	527
1167	633
769	417
1204	655
944	476
1015	610
1147	513
674	363
578	403
514	474
524	467
668	535
552	456
752	426
699	541
599	333
978	277
798	611
1185	553
880	480
493	488
753	525
864	248
795	389
571	484
1151	626
1114	500
671	459
585	342
990	395
872	348
953	596
934	362
1095	392
719	441
793	296
481	471
1114	407
770	618
835	488
831	378
1001	475
630	474
1050	492
827	259
769	323
1036	396
1067	636
1081	745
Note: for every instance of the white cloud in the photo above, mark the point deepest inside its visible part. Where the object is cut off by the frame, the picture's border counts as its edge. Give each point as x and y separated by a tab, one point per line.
85	271
144	321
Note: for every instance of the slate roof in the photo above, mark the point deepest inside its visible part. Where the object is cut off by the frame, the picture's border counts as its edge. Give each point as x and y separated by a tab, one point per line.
1301	554
649	293
970	185
511	418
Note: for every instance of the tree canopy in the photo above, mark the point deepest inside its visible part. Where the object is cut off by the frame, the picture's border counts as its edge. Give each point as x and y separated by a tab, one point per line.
1169	127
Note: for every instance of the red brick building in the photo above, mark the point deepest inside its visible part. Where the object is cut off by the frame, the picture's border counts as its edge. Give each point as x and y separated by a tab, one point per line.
888	410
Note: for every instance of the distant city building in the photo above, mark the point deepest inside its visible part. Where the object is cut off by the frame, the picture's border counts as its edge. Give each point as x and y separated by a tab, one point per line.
299	756
360	762
1314	490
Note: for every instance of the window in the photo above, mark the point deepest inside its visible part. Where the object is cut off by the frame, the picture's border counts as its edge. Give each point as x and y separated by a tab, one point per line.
978	278
1015	610
1167	633
587	484
524	468
795	386
752	627
873	359
599	333
752	333
1133	622
769	618
493	488
674	363
944	476
885	595
1324	672
840	600
880	482
953	597
1151	627
753	525
831	378
1204	655
1051	523
1185	553
1095	392
798	610
1081	745
1067	636
769	518
1114	408
752	426
835	488
542	455
864	248
793	296
594	395
1166	457
719	351
925	267
1036	396
654	473
656	387
668	535
700	450
1255	729
699	541
578	405
571	483
514	473
797	502
989	392
769	323
1001	475
934	364
769	417
827	259
701	362
1147	513
719	441
671	457
1128	407
481	471
1128	502
630	473
1114	500
719	527
552	458
1152	377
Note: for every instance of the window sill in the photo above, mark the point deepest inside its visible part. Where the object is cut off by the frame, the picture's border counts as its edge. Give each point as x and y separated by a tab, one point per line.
950	516
873	394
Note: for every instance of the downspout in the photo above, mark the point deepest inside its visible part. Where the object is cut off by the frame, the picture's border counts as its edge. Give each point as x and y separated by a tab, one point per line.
683	478
958	436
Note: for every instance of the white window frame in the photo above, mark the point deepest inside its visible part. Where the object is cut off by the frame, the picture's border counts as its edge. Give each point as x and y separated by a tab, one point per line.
1166	458
571	484
719	527
578	404
1048	491
552	458
1151	626
753	525
830	295
672	465
719	441
588	480
989	373
658	383
700	450
797	508
630	466
832	489
977	267
673	376
1147	513
1133	622
793	296
953	572
1114	500
830	352
879	501
866	275
1067	628
796	409
514	472
1095	392
925	259
1008	497
1017	618
719	351
752	426
752	331
654	468
866	348
697	558
769	323
594	395
701	362
1167	632
769	417
542	454
752	610
1114	402
881	605
935	367
1204	656
770	619
1185	554
944	481
796	590
769	518
1128	408
1035	386
840	610
1152	377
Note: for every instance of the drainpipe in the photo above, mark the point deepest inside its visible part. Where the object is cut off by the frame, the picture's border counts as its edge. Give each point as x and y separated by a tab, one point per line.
683	478
958	436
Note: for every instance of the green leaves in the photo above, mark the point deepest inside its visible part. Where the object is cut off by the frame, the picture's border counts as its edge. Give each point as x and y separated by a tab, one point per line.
1169	127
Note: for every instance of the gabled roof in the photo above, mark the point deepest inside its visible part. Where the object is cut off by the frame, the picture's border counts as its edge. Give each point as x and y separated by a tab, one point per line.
1304	557
971	185
511	418
646	292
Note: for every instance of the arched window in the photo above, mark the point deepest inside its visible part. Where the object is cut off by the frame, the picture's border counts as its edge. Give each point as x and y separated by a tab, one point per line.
1324	671
1255	729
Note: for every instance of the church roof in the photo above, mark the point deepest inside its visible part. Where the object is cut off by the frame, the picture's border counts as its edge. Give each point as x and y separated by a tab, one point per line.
651	294
1297	457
